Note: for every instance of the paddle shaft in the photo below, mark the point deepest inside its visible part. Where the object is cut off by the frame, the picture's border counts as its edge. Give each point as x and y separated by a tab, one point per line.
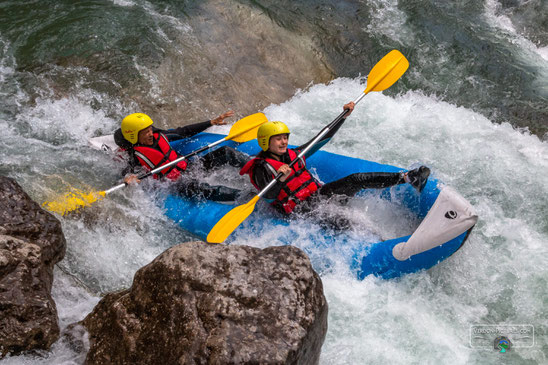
383	75
316	139
174	162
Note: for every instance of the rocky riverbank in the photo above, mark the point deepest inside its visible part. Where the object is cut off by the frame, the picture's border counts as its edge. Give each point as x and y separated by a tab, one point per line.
194	303
31	243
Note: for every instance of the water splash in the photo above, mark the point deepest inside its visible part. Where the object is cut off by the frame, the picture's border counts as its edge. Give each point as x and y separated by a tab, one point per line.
73	201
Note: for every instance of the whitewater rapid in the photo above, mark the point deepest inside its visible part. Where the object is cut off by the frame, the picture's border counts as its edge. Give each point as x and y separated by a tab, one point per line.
473	64
499	276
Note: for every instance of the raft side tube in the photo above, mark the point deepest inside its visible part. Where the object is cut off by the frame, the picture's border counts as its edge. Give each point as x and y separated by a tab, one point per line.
450	216
104	143
379	260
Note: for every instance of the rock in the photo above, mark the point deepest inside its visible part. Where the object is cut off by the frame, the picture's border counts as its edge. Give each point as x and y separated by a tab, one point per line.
31	243
202	303
231	55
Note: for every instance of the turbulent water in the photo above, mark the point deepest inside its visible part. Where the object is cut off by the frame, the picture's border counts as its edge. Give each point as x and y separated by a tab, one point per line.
473	106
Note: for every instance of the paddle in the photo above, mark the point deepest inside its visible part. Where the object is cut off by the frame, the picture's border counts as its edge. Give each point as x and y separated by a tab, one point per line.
242	131
385	73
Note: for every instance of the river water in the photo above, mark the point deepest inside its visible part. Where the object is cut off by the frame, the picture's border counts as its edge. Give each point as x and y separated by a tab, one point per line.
473	106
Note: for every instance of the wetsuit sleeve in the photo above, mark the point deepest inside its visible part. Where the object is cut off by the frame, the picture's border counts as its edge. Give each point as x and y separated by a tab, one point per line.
129	169
185	131
322	142
133	165
262	177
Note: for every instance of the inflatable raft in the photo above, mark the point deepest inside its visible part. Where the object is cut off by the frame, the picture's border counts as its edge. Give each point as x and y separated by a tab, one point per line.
446	218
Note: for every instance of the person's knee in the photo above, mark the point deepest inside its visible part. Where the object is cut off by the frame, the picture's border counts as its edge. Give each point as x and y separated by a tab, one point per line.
235	158
224	155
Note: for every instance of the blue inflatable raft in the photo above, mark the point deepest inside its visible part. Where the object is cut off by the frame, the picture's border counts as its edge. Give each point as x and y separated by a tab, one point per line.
446	218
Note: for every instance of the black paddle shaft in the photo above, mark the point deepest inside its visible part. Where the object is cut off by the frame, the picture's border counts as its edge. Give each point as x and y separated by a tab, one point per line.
147	174
323	132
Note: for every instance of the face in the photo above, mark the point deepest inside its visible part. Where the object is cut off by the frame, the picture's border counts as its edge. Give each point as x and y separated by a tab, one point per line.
278	144
146	136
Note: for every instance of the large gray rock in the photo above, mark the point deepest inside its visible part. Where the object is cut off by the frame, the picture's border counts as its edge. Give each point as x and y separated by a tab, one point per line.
202	303
31	243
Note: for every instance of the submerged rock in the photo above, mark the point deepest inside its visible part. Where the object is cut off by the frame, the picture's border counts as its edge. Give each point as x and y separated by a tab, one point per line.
31	243
202	303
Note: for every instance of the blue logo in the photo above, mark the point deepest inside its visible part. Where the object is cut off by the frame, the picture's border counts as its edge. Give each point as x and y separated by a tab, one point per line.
502	344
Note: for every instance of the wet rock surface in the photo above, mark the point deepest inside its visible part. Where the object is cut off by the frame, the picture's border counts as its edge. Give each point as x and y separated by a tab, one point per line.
31	243
236	57
202	303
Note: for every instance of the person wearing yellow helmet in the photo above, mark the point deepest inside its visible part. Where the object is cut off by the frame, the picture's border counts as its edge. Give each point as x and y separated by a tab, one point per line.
269	130
298	185
133	124
148	148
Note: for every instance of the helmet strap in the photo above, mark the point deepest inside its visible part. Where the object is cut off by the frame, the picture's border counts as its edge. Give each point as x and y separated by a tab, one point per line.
279	157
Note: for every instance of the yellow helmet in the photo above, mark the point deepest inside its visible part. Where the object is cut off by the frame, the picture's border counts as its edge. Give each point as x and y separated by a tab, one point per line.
133	124
268	130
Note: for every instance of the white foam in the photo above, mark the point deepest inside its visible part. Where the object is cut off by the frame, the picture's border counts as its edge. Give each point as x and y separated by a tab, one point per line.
389	21
498	168
126	3
498	276
493	12
177	23
67	120
517	43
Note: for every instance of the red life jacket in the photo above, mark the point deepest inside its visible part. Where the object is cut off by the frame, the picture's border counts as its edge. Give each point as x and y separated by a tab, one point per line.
158	154
299	185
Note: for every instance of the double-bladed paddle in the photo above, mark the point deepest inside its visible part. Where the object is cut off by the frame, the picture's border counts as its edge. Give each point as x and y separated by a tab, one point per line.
242	131
383	75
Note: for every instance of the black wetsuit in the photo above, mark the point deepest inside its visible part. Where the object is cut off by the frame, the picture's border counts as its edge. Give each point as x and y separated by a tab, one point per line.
185	186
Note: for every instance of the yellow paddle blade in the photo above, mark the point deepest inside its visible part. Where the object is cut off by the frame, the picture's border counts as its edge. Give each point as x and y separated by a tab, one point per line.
387	71
231	220
73	201
246	128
